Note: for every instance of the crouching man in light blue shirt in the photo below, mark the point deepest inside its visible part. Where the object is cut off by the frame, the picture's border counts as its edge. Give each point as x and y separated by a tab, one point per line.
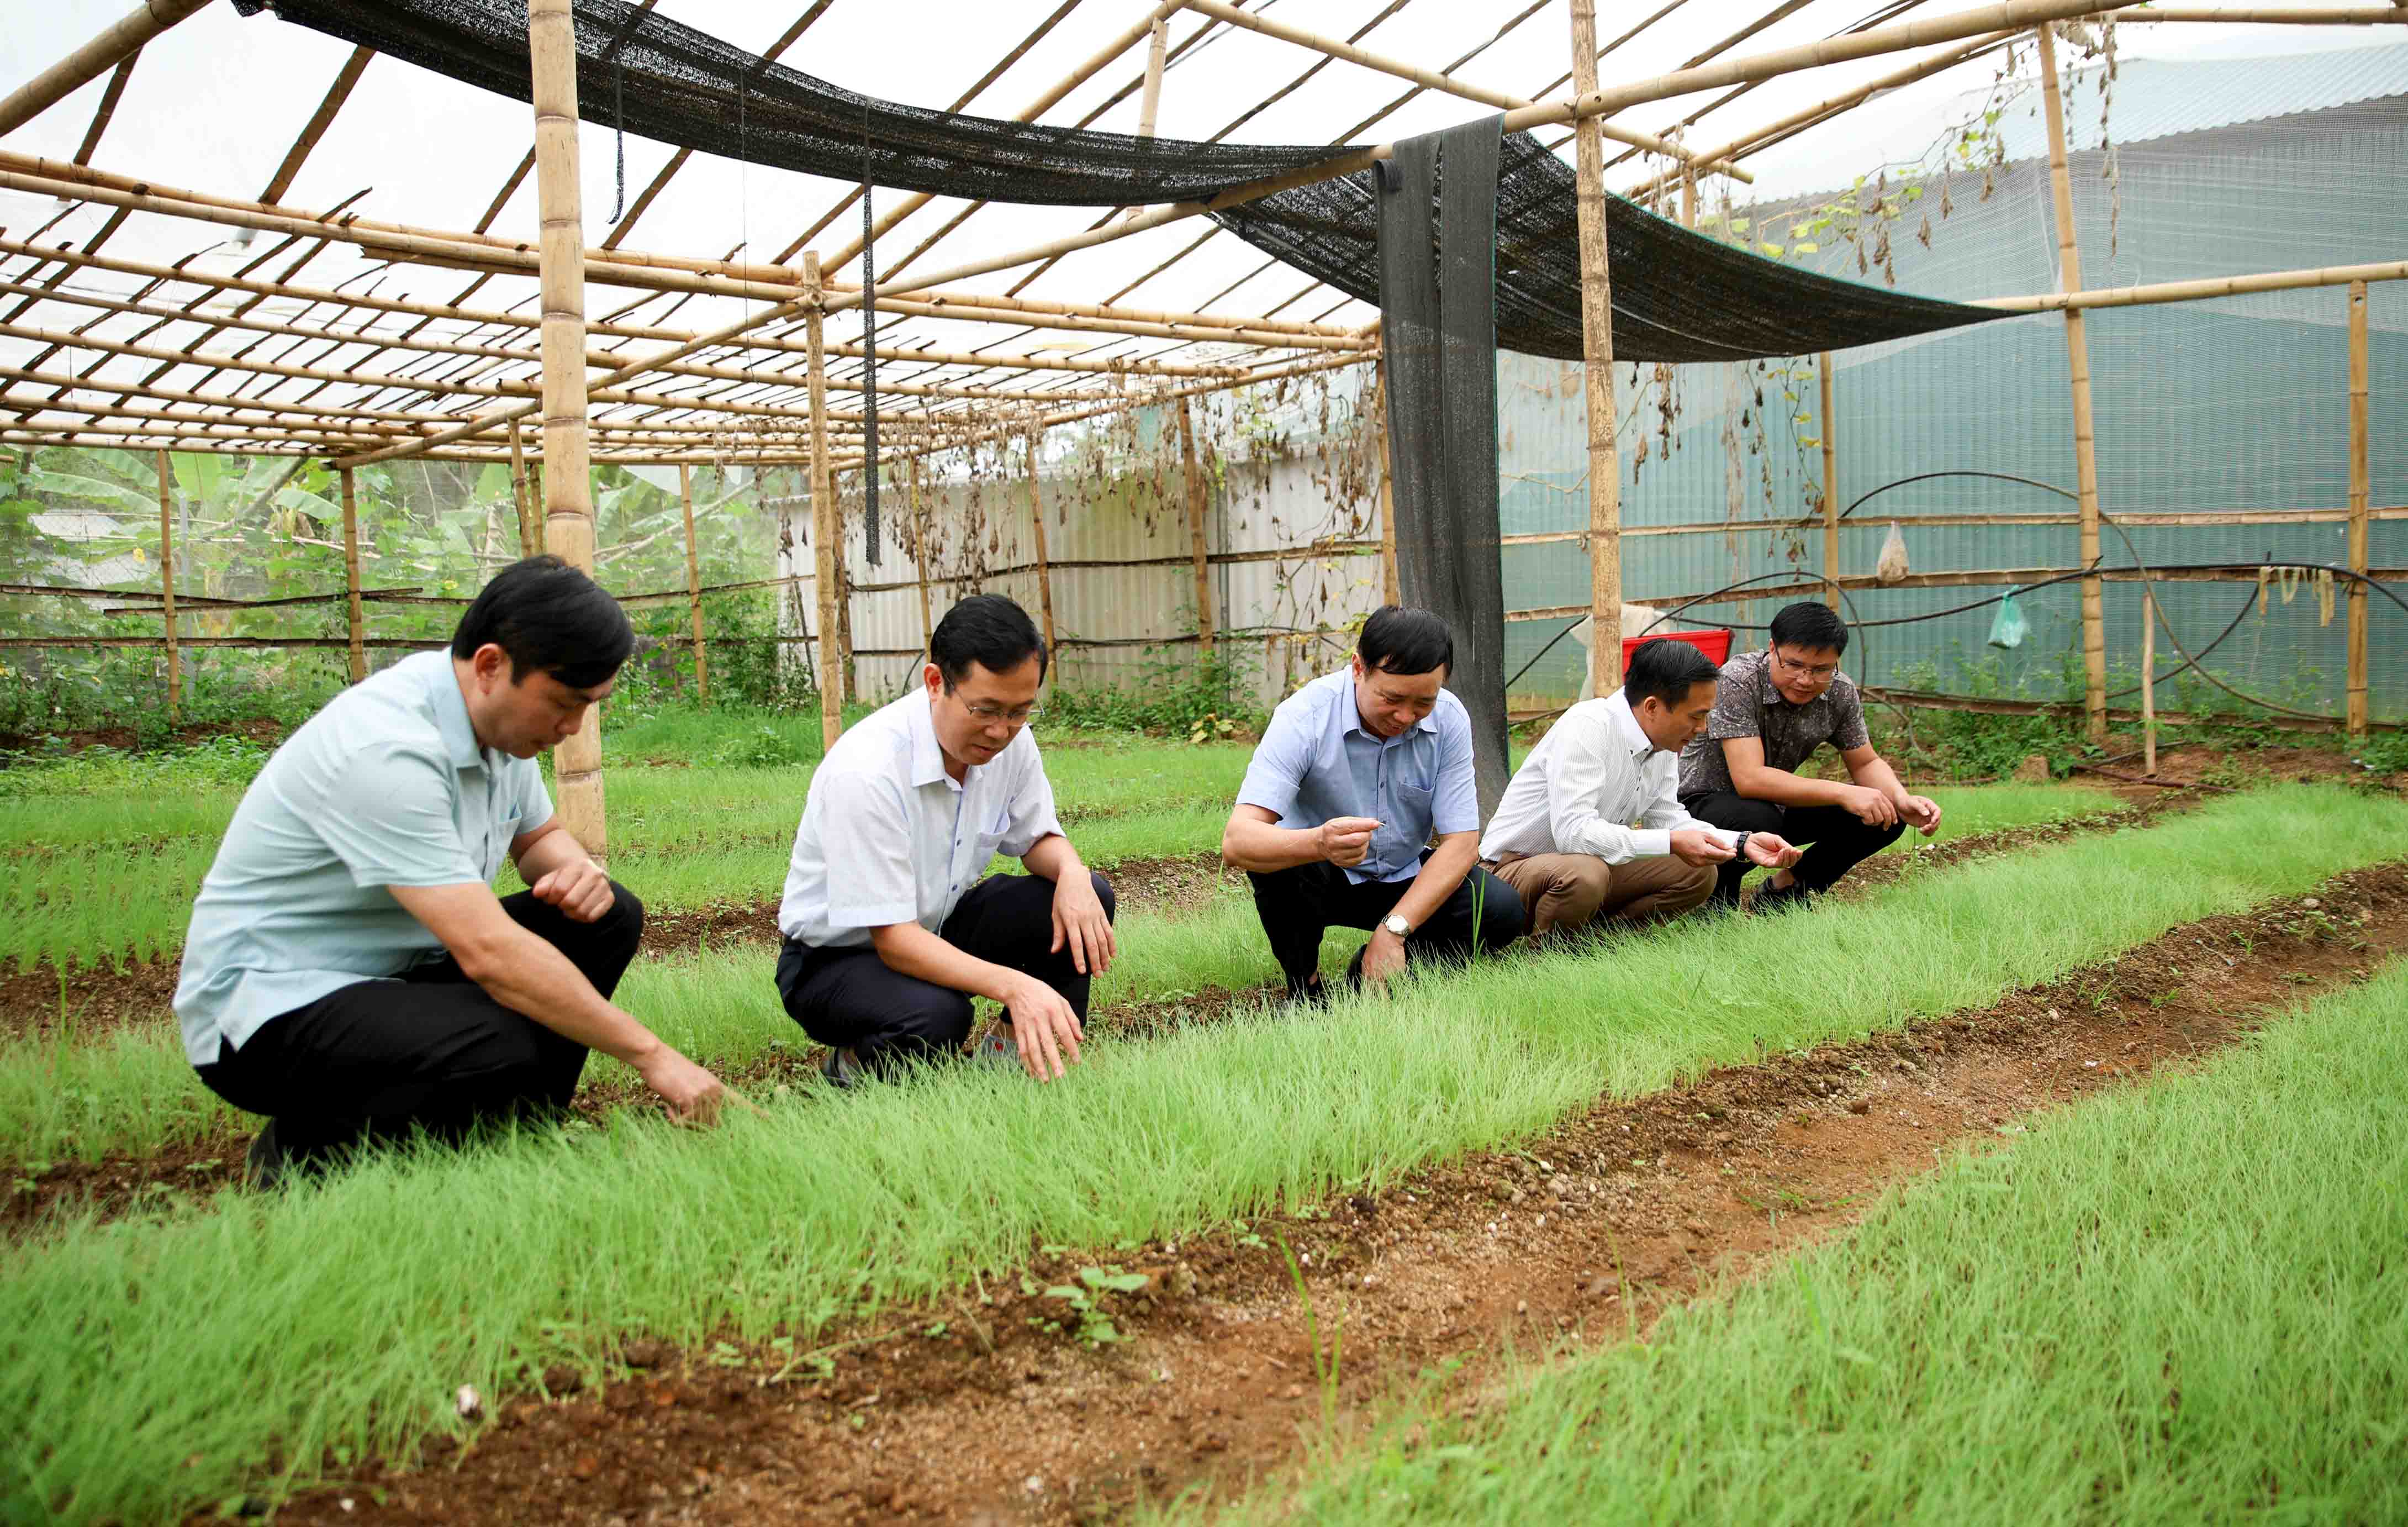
349	970
1356	775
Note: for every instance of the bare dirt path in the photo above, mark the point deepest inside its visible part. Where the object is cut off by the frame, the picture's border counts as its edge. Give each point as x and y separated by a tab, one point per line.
978	1410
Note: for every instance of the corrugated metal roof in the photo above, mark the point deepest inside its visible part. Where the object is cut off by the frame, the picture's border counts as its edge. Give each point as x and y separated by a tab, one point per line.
2153	98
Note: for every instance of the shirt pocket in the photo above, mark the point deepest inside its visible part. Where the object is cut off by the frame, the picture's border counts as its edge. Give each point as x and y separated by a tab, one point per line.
502	831
1402	839
995	825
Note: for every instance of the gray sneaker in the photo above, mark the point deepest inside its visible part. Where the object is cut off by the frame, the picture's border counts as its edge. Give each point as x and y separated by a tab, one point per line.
997	1048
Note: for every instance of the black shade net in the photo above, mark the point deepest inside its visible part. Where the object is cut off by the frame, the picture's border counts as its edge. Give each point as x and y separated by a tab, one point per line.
1677	294
1438	244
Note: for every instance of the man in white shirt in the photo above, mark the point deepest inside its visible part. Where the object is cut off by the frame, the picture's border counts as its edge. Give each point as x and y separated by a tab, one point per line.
890	931
1590	828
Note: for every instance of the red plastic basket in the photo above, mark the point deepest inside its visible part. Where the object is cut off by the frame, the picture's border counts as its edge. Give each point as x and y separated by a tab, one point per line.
1714	645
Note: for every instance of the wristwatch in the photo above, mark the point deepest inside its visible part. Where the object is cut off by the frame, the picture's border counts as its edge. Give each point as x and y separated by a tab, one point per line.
1739	849
1397	926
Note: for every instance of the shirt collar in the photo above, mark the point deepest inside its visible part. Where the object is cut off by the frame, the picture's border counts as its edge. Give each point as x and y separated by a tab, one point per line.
1627	727
927	758
451	714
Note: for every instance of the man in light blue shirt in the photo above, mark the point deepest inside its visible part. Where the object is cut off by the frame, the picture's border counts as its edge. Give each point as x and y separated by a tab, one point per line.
349	970
1356	774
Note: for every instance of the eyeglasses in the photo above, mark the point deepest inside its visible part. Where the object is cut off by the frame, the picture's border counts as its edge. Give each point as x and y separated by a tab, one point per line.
1816	671
990	714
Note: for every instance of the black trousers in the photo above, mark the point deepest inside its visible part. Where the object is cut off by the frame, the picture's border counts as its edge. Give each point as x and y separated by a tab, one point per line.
847	998
1298	905
432	1051
1840	838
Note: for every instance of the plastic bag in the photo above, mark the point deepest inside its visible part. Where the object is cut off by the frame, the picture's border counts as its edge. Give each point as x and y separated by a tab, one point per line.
1892	566
2008	626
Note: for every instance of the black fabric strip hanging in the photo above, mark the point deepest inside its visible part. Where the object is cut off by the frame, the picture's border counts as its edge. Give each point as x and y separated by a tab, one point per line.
868	361
1437	307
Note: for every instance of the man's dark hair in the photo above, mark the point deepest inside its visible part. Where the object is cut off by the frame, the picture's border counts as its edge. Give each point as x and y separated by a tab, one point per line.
1405	641
1665	670
989	631
550	618
1815	627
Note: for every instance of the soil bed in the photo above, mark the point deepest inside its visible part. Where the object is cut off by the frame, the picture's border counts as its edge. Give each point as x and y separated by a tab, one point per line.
974	1410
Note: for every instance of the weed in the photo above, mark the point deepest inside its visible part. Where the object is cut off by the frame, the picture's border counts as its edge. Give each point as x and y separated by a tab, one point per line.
1085	1302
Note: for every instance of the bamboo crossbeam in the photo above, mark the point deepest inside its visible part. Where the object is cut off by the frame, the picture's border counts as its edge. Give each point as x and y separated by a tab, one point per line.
11	434
2302	16
2359	437
1434	80
2202	290
106	111
324	118
1237	332
2085	448
106	51
1597	336
2148	682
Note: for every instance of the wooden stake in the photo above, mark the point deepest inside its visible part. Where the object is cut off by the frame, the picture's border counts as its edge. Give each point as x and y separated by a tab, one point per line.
351	578
529	541
2359	434
1597	343
168	584
920	559
568	490
1044	569
1199	504
2085	445
1390	586
88	62
694	585
2148	682
1830	485
824	547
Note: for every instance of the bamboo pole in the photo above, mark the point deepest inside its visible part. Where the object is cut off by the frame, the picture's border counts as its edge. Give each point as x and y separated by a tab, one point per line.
920	558
1597	342
1149	105
528	542
88	62
324	118
2199	290
358	616
1199	551
824	547
568	503
2303	16
694	585
2359	437
2148	682
2077	347
167	586
1443	83
1830	484
844	594
1037	518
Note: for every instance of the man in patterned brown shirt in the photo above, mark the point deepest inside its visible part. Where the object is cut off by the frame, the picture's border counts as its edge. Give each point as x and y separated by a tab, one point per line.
1772	711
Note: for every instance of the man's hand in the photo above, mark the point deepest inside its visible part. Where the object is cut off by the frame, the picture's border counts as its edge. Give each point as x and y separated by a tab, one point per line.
1079	921
1382	958
1772	851
1922	811
578	889
1694	845
1870	806
1345	840
693	1094
1043	1026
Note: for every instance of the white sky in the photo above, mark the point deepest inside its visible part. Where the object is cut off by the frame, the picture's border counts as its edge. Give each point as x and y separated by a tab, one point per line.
215	104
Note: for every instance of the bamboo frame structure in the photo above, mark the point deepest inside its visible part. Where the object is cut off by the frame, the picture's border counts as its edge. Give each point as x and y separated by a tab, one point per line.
1198	507
920	558
529	542
2148	682
2360	435
168	586
2077	346
1597	339
1037	519
694	584
568	502
356	617
108	50
829	669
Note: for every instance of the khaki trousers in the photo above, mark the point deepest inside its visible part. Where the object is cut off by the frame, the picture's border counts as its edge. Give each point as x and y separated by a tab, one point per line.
1568	890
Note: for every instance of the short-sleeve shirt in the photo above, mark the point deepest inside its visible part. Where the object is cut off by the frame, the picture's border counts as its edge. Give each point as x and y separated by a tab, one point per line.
1317	761
387	786
889	837
1746	704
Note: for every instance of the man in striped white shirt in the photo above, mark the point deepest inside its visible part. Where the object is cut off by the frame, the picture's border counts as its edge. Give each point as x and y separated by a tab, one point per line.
1591	827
